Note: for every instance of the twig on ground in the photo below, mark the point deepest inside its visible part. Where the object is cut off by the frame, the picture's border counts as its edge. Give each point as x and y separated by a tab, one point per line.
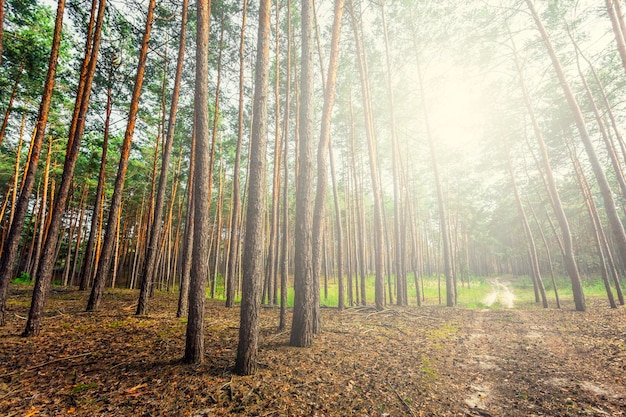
41	365
406	405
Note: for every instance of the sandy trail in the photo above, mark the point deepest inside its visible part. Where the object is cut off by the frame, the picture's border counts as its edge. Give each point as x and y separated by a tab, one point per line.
500	292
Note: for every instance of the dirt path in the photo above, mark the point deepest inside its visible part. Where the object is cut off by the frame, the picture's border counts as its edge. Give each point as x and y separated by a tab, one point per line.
500	292
520	362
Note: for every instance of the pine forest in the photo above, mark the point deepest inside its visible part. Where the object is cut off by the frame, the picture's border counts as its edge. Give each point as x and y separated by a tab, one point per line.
315	208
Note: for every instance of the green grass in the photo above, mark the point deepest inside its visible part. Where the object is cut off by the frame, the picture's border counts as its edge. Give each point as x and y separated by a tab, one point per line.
467	297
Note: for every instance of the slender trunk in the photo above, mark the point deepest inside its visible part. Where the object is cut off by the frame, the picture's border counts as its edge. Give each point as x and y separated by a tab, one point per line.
194	343
379	288
303	326
443	222
90	253
532	248
41	235
104	262
45	270
340	284
9	253
284	263
400	272
183	297
569	258
596	225
247	348
155	232
323	150
272	254
79	236
617	30
236	209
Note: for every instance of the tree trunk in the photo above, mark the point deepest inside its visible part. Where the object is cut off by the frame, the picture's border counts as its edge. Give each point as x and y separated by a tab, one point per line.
303	325
443	218
379	287
532	248
247	348
104	262
155	232
617	30
46	267
41	217
90	253
284	251
568	250
323	150
236	208
12	241
194	343
596	225
183	297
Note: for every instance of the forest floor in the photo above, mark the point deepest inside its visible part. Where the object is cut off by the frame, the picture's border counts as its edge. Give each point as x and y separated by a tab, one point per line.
428	361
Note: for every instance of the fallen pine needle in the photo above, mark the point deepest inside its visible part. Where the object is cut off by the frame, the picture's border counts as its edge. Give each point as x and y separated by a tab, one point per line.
41	365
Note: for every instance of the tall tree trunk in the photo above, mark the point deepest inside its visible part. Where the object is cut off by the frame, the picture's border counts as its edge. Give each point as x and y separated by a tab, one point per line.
303	326
9	253
155	232
194	343
617	228
532	248
272	254
617	30
379	287
16	174
396	167
183	297
90	253
323	150
46	267
596	225
284	251
340	284
104	262
443	217
247	348
568	249
233	245
43	213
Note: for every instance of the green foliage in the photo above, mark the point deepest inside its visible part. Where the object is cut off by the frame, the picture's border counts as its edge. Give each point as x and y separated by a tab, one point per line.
22	278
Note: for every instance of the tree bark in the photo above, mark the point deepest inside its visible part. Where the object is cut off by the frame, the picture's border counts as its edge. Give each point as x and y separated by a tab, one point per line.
7	260
90	253
303	326
323	150
46	266
104	262
379	287
253	251
155	232
284	251
235	239
194	343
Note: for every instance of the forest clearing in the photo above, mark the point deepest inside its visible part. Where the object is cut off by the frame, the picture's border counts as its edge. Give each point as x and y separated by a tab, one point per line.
431	361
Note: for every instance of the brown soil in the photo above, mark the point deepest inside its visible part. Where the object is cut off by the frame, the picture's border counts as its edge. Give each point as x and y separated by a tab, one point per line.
431	361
